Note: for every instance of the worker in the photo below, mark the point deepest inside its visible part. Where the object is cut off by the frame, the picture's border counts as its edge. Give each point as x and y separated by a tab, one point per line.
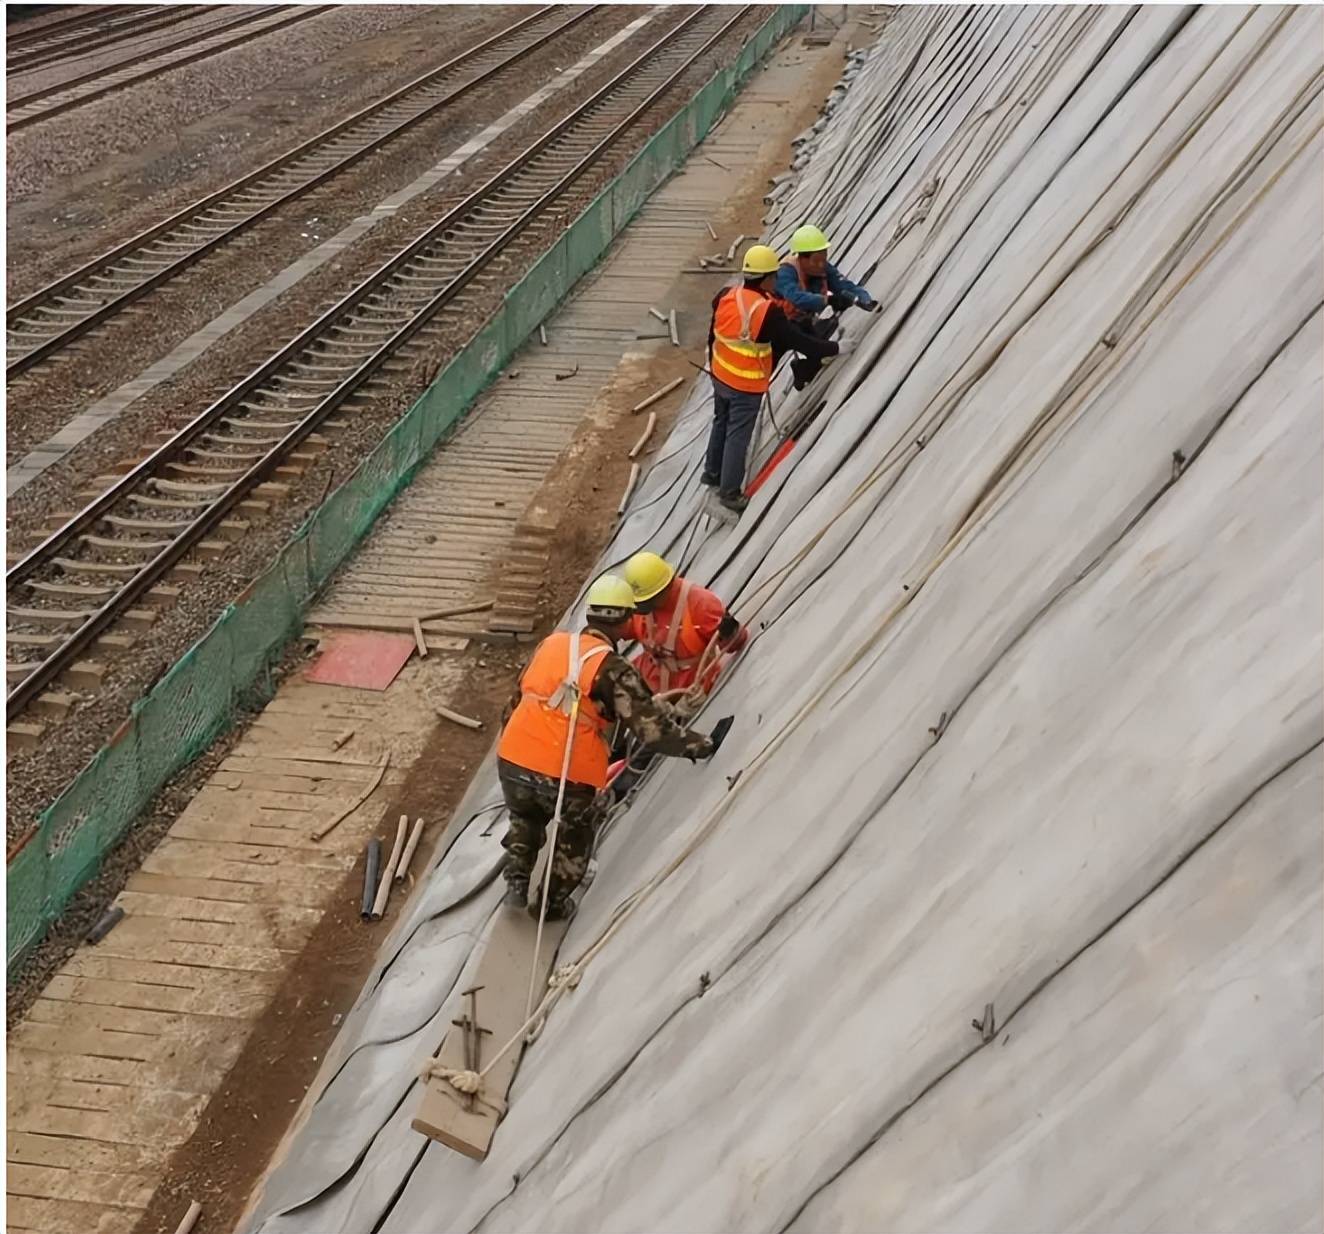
580	676
808	284
674	621
749	333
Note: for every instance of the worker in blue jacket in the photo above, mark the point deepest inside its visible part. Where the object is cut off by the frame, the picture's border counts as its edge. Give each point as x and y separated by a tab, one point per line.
808	283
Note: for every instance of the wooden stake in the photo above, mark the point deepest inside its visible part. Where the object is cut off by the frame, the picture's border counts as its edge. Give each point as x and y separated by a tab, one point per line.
662	317
190	1218
343	738
648	432
542	335
709	226
629	488
671	325
456	611
455	717
403	868
735	244
384	886
419	641
322	832
657	394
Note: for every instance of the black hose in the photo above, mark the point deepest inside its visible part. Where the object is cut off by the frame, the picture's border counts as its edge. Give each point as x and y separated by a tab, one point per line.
370	871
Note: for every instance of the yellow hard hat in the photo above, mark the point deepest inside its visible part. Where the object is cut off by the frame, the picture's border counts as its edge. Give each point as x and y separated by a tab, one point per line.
760	259
808	239
647	573
611	592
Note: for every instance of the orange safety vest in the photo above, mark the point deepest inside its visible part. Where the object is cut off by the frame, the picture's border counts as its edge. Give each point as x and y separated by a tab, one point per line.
738	360
564	665
672	648
791	311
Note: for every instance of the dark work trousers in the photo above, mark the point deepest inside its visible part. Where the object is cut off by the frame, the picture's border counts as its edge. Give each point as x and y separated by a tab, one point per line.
805	368
735	412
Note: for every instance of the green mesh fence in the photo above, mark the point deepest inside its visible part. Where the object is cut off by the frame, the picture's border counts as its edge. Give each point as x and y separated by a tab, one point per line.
230	665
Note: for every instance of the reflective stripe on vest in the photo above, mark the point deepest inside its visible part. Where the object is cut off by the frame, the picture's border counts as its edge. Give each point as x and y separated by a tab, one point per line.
738	360
560	671
665	653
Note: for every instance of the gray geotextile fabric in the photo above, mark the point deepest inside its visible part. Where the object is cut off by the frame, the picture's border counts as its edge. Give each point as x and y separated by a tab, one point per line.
1031	718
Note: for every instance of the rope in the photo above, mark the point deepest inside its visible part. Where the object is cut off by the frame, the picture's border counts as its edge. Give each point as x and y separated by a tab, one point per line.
568	976
552	832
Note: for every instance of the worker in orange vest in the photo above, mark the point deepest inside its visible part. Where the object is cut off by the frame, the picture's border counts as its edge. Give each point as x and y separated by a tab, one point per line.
749	332
674	621
554	746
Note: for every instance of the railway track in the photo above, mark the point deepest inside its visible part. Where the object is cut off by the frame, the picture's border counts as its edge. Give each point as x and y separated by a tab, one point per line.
54	100
95	32
119	550
48	321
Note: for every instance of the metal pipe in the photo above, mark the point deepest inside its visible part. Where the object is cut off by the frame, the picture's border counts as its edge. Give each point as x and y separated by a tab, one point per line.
370	871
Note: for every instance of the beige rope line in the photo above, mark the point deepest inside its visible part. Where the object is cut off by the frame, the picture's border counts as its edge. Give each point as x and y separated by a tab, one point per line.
954	389
1017	459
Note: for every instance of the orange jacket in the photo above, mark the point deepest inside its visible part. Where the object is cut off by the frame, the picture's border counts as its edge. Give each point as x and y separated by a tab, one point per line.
739	360
535	736
673	648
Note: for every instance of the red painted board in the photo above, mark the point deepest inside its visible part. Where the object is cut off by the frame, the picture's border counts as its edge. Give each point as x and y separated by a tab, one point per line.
361	659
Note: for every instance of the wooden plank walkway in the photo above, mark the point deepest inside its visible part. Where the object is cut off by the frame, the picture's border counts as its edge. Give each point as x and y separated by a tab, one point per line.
115	1064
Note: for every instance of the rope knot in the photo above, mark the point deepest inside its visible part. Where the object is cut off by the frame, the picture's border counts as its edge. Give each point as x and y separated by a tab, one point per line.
566	977
463	1081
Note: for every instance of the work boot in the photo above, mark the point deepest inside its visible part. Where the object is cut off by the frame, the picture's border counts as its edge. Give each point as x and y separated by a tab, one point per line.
734	501
517	893
558	908
710	480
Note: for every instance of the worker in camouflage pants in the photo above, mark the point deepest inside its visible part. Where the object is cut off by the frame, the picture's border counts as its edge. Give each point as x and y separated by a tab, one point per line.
531	801
579	678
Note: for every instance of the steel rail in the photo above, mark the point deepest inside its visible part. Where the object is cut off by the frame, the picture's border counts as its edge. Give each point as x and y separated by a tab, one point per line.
122	29
192	532
14	122
20	40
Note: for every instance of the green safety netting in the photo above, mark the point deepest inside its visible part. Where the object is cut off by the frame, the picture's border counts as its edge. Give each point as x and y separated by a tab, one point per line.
229	666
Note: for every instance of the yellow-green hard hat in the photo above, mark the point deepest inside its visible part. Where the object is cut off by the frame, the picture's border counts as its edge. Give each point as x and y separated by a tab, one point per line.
808	239
611	591
647	574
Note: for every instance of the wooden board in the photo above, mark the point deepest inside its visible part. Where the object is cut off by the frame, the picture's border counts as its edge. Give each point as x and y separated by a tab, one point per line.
503	972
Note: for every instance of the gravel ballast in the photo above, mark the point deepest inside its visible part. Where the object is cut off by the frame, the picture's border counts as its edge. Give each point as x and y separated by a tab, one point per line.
77	181
36	777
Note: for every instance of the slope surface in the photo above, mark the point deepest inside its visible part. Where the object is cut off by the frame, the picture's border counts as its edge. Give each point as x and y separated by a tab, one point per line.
1032	717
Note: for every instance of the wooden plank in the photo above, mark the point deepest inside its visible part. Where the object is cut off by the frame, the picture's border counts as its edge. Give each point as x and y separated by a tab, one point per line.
92	1187
68	1217
93	962
118	1128
29	1090
288	924
503	971
355	771
148	883
236	874
228	956
260	857
106	992
33	1148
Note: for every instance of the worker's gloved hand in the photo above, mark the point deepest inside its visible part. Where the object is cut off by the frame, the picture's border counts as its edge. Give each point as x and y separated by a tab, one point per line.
839	300
720	730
